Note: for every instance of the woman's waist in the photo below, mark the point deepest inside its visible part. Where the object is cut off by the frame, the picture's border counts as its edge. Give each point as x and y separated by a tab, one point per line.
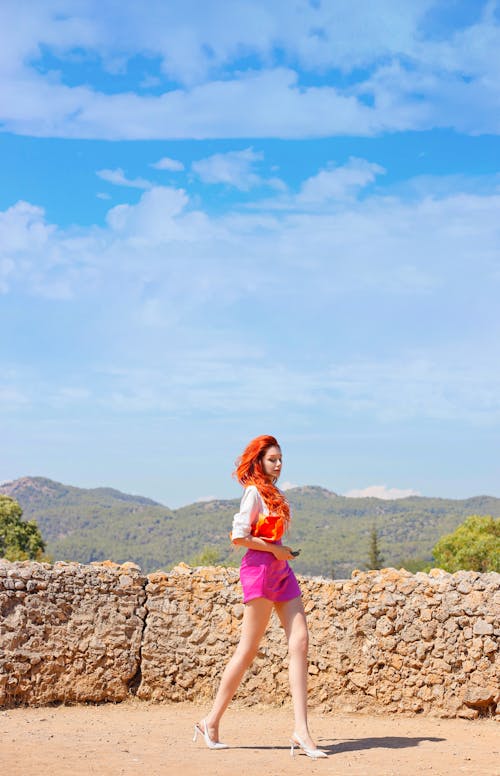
260	557
271	542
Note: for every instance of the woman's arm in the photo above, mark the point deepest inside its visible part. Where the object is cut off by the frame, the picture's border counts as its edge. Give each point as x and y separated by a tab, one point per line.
279	551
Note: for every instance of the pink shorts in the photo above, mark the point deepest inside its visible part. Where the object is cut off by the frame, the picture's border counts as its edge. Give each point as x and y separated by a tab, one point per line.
263	576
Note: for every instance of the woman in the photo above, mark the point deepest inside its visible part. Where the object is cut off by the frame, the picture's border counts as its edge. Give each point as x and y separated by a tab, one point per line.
268	582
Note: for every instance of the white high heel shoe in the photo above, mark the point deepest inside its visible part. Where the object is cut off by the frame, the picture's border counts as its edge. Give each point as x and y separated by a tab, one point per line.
208	741
316	754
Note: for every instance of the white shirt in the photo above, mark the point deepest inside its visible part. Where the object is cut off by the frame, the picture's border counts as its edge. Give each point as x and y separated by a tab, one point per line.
251	506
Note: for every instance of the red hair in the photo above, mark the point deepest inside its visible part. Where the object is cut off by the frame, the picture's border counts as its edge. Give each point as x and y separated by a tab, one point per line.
249	471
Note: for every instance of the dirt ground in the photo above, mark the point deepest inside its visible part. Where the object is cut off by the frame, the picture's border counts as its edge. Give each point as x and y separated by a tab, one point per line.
156	740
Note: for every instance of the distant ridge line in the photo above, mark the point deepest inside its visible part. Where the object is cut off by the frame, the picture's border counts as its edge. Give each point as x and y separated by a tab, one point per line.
36	481
333	531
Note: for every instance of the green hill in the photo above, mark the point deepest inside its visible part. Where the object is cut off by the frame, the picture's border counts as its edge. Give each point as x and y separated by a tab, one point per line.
333	531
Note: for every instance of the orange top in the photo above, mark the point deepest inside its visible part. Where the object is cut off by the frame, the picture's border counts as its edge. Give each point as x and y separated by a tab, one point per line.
270	527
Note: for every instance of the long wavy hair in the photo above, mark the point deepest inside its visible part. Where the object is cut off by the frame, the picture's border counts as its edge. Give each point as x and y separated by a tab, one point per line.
249	471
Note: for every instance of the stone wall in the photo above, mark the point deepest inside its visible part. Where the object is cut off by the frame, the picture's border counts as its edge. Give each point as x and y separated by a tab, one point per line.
69	632
385	641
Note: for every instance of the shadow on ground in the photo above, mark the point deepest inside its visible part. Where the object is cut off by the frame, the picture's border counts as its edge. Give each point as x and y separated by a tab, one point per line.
355	744
385	742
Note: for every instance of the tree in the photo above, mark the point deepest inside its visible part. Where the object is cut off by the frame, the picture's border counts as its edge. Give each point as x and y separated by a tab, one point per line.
473	546
19	540
375	558
209	556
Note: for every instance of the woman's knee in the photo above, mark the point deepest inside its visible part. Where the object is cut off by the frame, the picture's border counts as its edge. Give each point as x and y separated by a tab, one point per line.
298	643
245	653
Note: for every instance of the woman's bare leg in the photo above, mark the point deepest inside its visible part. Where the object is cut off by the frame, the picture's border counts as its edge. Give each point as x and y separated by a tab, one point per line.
293	619
255	620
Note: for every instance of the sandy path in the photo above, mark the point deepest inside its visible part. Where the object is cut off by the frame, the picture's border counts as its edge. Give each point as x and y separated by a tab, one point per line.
154	740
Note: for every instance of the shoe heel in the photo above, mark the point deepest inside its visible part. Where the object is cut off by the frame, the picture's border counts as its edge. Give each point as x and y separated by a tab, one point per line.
315	754
204	734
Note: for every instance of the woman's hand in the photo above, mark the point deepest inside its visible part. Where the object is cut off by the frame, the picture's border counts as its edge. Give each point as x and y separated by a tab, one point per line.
281	552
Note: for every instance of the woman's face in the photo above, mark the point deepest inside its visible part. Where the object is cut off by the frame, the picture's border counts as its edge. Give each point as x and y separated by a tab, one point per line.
271	463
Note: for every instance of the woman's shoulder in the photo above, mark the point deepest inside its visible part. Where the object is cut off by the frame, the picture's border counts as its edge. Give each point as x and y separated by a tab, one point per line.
252	492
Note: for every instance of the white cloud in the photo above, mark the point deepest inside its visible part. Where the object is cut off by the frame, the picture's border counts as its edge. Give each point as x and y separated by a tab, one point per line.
156	217
383	492
219	379
417	80
287	485
67	395
166	163
334	184
224	379
118	178
194	41
380	244
7	267
234	168
422	275
244	106
23	226
150	82
341	182
13	398
472	50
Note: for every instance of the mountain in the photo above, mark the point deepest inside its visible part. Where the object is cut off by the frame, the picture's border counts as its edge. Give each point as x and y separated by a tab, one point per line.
333	531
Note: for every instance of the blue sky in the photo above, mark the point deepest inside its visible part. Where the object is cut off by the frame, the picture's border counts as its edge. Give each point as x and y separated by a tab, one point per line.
219	220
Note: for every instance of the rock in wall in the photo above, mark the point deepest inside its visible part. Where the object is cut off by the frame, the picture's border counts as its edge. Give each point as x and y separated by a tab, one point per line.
384	641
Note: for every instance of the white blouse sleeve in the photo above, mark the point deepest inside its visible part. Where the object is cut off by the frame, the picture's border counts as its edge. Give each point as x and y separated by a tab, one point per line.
251	505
